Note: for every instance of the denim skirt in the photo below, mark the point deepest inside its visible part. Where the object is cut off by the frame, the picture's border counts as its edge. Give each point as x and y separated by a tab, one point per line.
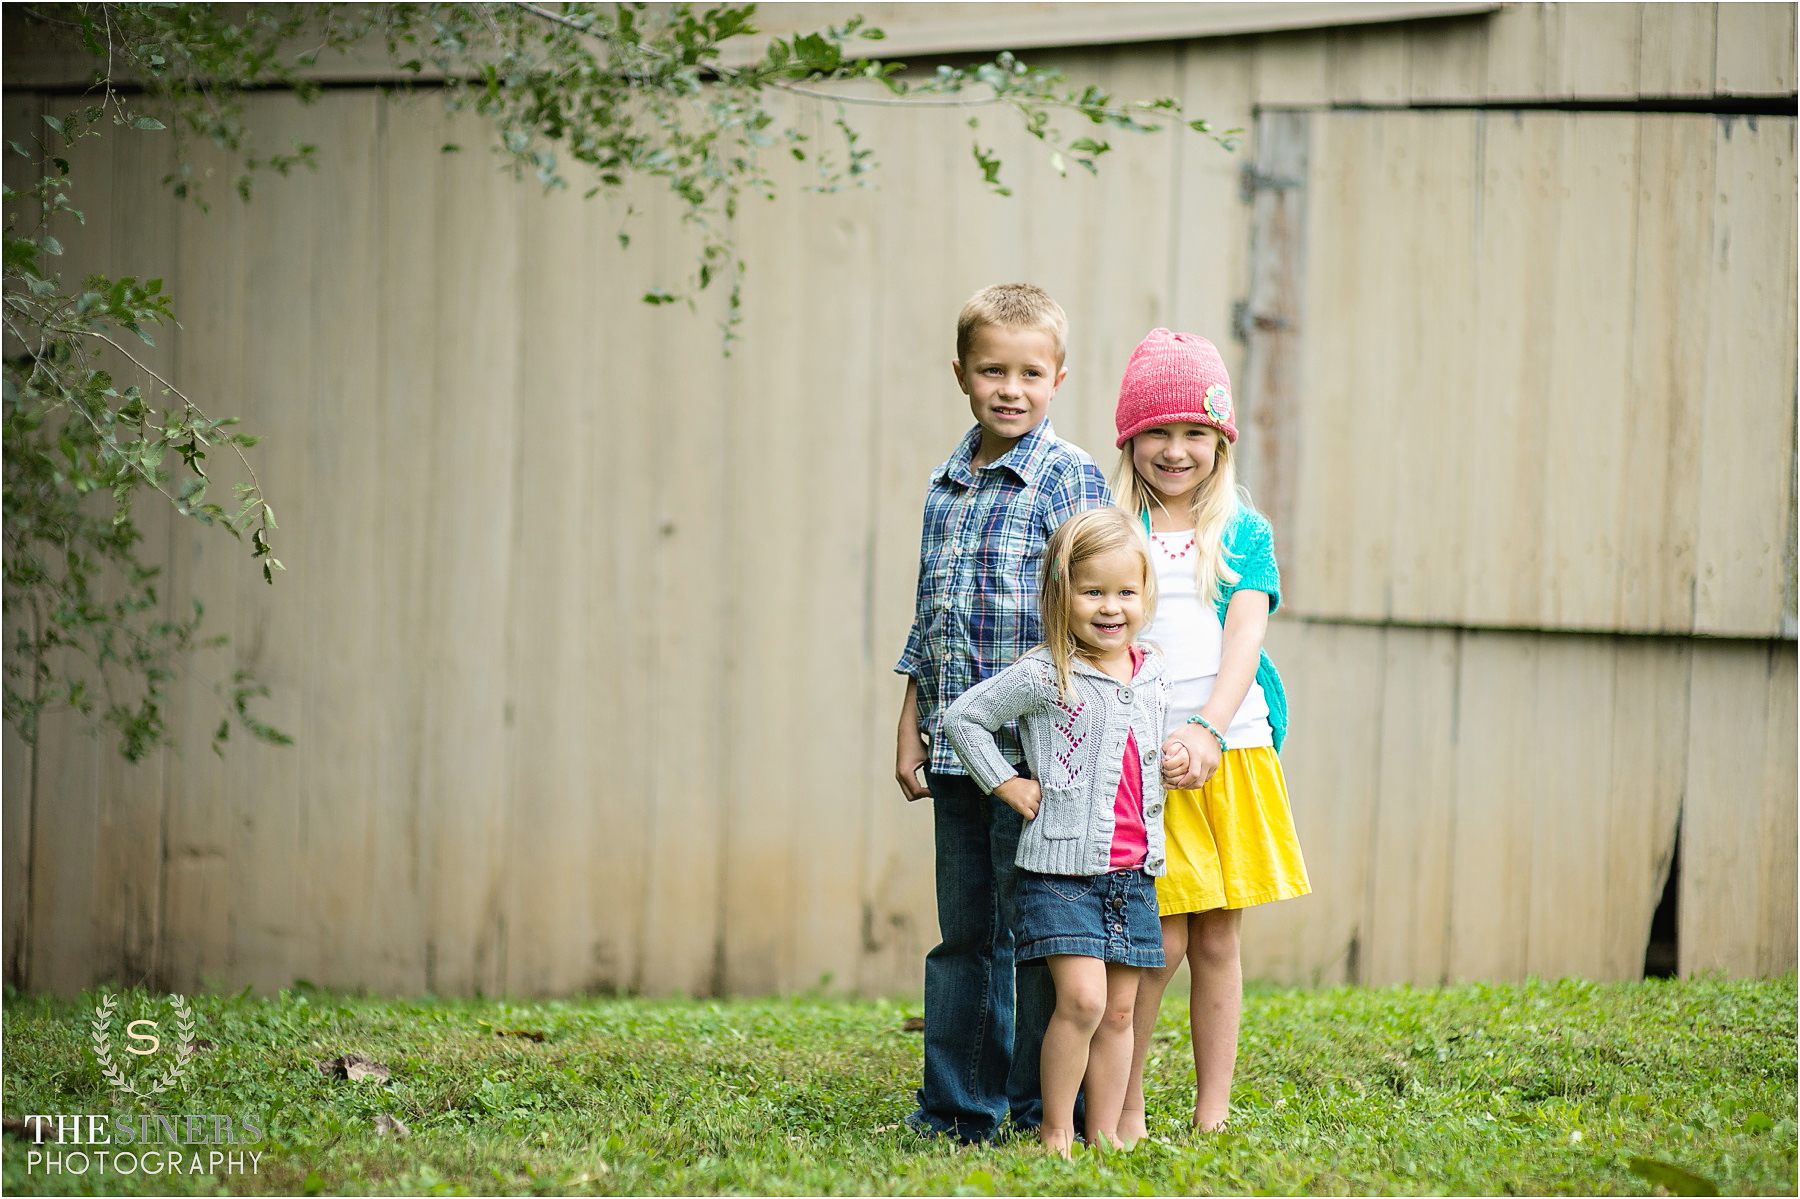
1107	916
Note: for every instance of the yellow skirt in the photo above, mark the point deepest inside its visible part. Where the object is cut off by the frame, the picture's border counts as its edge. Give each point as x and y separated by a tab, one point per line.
1231	844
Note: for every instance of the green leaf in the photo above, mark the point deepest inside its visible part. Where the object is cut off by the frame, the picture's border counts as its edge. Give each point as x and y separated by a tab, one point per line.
1671	1177
147	123
658	297
54	124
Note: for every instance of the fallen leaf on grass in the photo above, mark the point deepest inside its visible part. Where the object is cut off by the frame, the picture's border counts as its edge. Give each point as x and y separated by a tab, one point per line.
1672	1178
386	1126
22	1130
527	1033
354	1067
913	1024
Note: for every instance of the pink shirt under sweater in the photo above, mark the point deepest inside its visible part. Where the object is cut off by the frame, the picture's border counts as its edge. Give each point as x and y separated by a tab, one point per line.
1130	842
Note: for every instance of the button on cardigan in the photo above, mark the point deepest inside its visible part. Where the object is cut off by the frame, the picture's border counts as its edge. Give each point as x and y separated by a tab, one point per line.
1076	748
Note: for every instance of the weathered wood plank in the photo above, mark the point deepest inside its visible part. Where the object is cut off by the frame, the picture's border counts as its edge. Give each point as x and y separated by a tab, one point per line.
1293	68
1676	49
1582	408
215	802
283	837
556	897
340	580
918	415
1648	761
1722	815
1746	447
467	738
1118	288
1524	47
1330	761
1566	775
1447	59
1271	399
1492	824
1209	269
1434	339
773	628
21	117
1521	166
1755	53
143	242
1409	871
1658	503
1602	46
623	497
1370	65
1778	923
1342	512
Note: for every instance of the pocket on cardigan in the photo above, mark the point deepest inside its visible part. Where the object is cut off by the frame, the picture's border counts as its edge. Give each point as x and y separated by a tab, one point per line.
1061	817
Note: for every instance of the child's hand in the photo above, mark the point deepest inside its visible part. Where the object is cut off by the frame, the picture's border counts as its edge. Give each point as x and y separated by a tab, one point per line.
1174	762
1202	750
1022	795
911	759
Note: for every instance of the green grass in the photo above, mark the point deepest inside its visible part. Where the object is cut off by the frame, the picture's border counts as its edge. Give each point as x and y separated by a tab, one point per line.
1532	1089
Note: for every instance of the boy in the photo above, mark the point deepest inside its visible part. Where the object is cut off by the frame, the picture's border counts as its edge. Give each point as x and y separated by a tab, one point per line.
988	510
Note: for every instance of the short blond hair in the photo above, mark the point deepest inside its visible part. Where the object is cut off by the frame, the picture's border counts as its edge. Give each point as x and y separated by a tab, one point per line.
1015	306
1089	534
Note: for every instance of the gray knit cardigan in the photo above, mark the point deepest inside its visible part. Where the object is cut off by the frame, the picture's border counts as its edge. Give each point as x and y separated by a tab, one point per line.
1076	750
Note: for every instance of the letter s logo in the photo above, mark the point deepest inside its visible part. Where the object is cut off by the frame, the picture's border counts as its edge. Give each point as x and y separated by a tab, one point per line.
131	1030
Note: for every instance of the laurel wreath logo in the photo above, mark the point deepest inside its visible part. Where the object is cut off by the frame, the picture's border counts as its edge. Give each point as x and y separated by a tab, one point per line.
172	1073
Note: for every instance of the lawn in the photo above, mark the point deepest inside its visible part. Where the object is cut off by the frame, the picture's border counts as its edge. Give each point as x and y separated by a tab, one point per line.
1537	1088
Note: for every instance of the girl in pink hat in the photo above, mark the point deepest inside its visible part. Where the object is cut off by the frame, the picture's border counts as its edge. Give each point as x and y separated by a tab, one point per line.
1230	837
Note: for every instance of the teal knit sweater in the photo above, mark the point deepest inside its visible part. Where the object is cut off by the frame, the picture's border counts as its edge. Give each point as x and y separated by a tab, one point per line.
1250	550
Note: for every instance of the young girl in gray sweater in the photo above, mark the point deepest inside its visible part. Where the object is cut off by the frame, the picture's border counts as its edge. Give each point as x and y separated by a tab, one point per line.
1091	705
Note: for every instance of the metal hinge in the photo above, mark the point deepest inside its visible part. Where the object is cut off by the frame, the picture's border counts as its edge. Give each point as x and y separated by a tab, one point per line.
1251	181
1244	322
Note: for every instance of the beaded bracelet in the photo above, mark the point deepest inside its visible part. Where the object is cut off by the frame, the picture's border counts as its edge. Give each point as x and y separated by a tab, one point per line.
1206	724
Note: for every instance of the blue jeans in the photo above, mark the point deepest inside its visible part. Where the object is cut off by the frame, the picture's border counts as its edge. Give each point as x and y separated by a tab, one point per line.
981	1063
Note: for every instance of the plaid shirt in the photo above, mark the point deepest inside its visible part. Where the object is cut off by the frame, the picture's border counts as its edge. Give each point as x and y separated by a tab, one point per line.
984	536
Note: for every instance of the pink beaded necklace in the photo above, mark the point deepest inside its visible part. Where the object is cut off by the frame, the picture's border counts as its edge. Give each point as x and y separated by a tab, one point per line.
1175	555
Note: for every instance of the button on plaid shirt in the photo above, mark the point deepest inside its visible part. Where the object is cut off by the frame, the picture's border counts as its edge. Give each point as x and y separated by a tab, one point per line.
979	558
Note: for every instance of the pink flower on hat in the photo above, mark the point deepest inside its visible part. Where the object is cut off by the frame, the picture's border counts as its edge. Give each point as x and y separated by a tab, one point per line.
1174	377
1218	404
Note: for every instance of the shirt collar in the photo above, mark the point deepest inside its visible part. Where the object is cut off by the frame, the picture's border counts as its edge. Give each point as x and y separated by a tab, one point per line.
1025	459
1146	669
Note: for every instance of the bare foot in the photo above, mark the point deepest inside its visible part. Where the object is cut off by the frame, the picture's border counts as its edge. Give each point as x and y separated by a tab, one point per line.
1132	1128
1059	1141
1209	1125
1104	1141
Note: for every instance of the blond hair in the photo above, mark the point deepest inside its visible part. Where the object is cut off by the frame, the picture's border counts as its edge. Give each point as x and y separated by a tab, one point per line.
1215	502
1086	535
1014	306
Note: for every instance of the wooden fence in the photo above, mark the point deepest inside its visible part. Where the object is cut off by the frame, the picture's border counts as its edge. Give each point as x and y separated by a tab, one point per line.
588	630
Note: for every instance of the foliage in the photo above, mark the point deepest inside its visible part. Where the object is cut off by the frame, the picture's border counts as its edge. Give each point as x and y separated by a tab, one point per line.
85	625
1537	1088
621	90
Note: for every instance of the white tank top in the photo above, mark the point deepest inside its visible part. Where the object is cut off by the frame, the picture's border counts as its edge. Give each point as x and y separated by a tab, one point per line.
1193	641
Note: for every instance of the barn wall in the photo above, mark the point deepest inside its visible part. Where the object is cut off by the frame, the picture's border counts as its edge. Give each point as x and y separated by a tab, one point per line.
587	632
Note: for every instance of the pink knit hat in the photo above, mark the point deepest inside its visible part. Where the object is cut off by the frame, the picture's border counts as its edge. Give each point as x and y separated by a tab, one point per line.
1174	377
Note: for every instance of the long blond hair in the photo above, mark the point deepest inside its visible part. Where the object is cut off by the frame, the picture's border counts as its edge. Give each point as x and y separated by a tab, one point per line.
1215	502
1085	535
